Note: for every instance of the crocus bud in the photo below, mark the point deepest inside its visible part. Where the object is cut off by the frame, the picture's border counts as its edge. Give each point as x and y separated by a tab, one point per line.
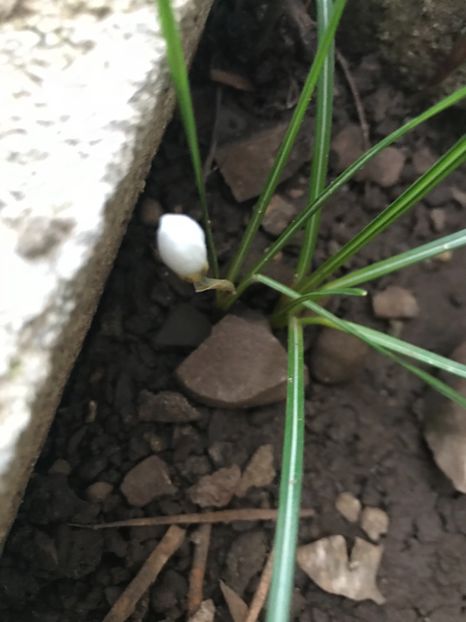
182	247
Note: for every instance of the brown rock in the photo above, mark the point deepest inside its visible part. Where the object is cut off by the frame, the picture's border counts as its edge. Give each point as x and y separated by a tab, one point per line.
337	357
385	168
278	215
445	427
166	407
98	491
259	472
349	506
395	302
374	521
423	159
241	364
438	217
347	146
216	490
246	162
146	481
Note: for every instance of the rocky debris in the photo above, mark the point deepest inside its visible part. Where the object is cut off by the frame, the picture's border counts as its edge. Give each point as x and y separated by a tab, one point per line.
166	407
440	195
374	521
259	472
278	215
205	613
326	562
60	467
245	559
51	500
240	365
349	506
185	327
445	427
458	195
150	212
337	357
423	159
146	481
347	146
236	605
395	302
216	490
245	163
98	492
385	168
438	218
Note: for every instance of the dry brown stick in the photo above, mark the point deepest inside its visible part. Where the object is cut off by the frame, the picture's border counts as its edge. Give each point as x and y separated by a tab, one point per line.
357	99
260	596
196	578
126	603
223	516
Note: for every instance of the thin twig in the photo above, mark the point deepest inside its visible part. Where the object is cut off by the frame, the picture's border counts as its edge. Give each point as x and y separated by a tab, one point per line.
223	516
126	603
357	99
207	168
260	596
196	577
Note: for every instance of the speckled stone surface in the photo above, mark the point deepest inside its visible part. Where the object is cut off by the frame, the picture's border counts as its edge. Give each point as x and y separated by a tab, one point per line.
85	99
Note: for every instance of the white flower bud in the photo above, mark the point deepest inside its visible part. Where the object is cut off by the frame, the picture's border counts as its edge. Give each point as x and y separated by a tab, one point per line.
181	245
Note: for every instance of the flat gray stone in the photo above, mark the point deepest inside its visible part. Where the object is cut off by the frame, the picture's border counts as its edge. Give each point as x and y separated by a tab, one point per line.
85	100
166	407
146	481
259	471
374	521
241	364
445	427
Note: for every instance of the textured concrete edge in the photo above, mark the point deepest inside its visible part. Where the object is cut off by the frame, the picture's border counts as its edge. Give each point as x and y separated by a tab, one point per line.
86	290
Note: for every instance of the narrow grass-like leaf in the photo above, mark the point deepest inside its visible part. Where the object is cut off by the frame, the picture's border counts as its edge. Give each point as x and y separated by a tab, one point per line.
287	144
342	179
409	350
345	291
362	332
397	262
321	144
453	158
286	534
179	74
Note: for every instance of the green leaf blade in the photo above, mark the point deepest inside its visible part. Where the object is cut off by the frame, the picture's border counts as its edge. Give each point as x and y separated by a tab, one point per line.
287	143
179	74
321	146
286	533
398	262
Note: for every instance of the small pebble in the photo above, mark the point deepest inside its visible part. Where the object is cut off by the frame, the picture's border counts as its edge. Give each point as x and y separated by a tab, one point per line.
374	521
395	302
349	506
98	492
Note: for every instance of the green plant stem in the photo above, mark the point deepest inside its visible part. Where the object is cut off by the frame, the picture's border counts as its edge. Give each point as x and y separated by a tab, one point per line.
451	160
287	144
342	179
286	533
179	73
321	145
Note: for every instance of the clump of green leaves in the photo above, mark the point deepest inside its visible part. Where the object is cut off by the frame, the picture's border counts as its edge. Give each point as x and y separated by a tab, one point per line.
310	285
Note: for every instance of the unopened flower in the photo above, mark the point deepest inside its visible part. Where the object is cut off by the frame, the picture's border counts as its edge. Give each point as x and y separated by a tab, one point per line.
182	247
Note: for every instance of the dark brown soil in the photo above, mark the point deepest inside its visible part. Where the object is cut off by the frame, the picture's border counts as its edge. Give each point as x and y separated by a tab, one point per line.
364	437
